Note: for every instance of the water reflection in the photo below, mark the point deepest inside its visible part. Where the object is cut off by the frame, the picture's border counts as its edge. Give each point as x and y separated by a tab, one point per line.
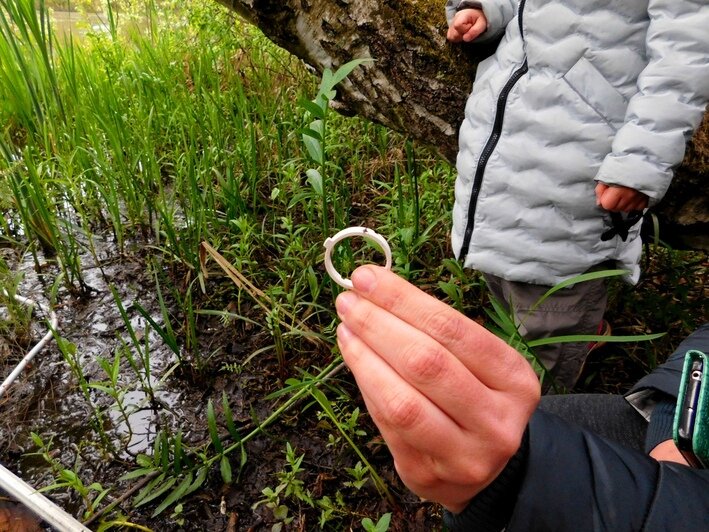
66	23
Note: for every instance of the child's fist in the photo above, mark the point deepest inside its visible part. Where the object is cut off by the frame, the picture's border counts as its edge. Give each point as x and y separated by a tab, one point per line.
467	25
620	199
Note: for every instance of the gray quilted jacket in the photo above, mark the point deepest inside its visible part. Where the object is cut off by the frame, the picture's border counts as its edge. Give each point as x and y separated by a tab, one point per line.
578	91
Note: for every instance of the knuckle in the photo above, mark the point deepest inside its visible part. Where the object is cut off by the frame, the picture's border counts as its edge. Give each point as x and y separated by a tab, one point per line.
414	475
444	327
426	364
425	480
474	474
403	412
506	445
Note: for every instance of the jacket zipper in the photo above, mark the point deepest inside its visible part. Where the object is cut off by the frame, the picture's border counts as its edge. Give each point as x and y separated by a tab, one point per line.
490	144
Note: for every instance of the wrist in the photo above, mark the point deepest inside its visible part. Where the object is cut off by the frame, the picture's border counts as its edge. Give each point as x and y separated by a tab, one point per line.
491	509
667	452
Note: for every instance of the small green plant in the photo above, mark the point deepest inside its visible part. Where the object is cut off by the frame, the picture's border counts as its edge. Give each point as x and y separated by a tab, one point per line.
16	320
359	474
325	404
139	342
111	386
64	478
381	526
330	508
322	178
348	423
290	487
70	354
454	288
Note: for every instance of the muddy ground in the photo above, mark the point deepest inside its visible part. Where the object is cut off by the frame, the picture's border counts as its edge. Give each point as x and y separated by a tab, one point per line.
47	399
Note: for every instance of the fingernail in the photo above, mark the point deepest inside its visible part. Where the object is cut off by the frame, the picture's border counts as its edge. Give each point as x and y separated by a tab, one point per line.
364	279
345	301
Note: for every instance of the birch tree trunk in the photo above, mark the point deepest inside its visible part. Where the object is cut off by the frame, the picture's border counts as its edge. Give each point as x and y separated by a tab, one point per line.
418	82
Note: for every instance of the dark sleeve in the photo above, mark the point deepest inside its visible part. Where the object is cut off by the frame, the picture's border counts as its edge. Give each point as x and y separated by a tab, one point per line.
574	480
661	423
666	378
655	395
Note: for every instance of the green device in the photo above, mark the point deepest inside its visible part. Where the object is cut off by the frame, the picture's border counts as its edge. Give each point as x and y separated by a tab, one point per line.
691	423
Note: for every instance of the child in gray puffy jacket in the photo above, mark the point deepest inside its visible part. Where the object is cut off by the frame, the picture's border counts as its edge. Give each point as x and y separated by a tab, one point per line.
573	128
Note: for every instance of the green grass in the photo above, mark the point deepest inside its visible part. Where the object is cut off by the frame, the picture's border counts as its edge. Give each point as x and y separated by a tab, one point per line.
184	133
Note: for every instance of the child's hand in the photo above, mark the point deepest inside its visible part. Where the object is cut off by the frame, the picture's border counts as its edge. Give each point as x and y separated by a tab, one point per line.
467	25
620	199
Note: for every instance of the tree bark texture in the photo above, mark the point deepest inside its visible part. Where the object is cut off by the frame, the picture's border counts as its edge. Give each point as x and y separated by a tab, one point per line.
418	83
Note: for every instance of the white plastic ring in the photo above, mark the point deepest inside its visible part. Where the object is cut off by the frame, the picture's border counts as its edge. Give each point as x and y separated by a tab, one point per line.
347	233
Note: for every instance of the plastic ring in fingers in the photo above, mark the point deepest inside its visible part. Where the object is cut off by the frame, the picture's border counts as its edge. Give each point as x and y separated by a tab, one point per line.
365	233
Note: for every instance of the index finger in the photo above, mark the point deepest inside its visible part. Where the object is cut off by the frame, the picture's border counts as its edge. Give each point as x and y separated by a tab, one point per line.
490	359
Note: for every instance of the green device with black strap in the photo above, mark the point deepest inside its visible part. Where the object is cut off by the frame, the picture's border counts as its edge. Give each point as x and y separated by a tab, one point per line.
691	423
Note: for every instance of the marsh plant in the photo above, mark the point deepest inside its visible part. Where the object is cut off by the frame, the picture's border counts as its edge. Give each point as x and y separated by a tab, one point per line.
15	317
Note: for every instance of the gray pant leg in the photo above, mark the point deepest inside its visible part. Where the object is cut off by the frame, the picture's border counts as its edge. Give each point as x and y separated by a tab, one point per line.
577	309
609	416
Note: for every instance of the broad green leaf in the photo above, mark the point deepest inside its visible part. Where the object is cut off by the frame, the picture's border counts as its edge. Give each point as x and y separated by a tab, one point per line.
143	460
346	69
315	133
95	503
102	388
68	475
326	81
225	469
449	288
314	148
383	523
315	181
198	481
323	402
313	108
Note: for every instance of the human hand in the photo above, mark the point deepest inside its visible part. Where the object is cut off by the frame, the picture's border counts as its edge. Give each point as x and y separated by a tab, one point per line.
620	199
467	25
667	451
451	399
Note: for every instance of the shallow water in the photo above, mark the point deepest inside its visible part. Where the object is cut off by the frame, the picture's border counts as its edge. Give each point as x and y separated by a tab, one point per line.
77	24
46	397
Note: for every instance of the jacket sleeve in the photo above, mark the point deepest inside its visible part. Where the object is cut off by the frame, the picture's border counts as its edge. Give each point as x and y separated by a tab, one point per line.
673	92
499	13
666	378
576	480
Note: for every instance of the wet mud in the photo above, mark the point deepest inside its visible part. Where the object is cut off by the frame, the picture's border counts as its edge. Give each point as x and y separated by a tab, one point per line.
49	399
